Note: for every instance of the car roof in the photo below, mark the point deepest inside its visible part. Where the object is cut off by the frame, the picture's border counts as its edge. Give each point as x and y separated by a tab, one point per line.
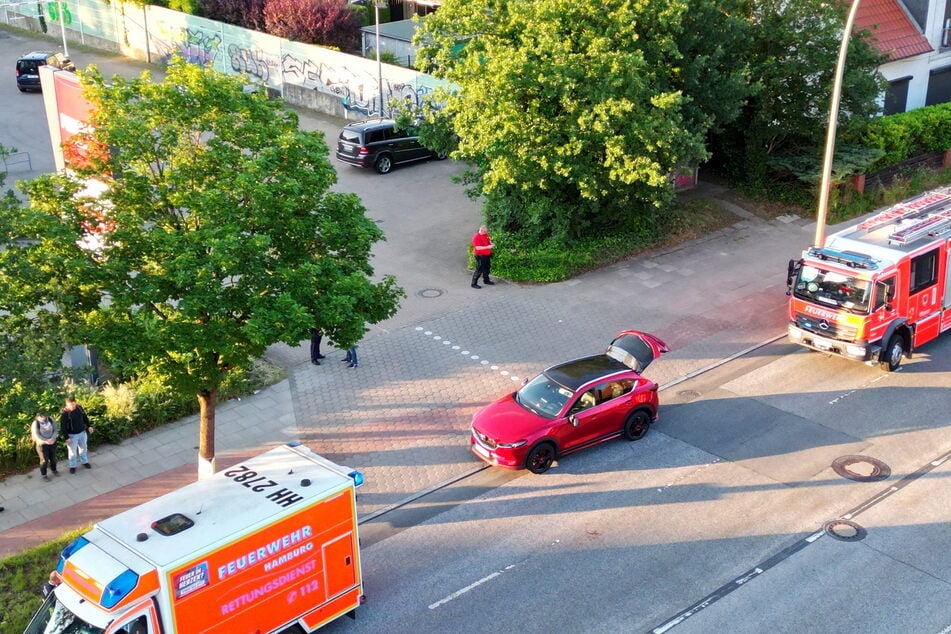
372	123
38	55
574	374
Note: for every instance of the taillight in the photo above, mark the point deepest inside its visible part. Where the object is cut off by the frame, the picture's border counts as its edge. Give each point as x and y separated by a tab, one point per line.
363	151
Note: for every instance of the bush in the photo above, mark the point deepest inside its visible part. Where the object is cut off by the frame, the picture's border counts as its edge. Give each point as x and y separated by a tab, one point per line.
325	22
909	134
245	13
525	259
120	410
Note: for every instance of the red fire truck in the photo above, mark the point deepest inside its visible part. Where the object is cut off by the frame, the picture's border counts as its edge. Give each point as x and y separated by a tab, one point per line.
879	289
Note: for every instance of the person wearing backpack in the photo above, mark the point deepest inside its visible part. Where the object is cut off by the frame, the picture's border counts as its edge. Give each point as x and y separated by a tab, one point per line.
44	432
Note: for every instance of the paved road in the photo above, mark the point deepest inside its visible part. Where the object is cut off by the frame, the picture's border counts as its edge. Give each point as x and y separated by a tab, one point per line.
402	416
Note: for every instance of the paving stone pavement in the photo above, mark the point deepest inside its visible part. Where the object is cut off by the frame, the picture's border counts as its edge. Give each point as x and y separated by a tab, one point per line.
401	418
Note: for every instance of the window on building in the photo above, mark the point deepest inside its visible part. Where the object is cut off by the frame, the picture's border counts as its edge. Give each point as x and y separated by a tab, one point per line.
939	86
896	96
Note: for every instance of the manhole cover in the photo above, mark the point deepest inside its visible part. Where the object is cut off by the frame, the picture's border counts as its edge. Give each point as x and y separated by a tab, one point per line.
430	293
844	530
861	468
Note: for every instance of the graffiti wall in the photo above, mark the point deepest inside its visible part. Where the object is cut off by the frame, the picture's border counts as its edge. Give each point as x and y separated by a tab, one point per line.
333	82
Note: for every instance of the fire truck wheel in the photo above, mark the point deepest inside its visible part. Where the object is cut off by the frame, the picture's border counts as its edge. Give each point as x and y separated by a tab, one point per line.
637	425
891	356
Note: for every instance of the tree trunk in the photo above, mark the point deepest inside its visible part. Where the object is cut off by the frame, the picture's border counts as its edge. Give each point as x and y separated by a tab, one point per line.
206	434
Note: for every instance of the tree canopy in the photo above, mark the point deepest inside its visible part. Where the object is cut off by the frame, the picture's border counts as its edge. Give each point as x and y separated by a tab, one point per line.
792	52
203	231
29	346
581	110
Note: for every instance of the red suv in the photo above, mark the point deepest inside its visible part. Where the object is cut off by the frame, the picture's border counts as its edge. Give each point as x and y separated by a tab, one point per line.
572	406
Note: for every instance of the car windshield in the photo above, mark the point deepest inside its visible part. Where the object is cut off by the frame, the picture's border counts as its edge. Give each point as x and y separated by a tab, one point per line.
833	289
543	396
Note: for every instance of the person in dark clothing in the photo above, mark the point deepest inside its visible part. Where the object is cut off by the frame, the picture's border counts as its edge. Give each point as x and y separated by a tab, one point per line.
44	432
315	338
75	427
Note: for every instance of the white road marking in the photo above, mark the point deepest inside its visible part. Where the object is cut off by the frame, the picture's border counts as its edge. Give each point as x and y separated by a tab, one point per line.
475	584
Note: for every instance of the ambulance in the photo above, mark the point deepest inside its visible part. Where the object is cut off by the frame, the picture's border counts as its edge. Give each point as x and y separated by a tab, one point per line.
268	545
876	291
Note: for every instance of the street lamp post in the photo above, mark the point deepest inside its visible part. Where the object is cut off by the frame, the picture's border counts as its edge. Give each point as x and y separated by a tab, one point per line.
824	186
62	25
379	64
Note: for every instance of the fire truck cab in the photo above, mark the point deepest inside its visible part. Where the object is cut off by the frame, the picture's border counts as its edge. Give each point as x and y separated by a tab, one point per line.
879	289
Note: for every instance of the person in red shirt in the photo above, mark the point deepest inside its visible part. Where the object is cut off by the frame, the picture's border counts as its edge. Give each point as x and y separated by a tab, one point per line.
482	249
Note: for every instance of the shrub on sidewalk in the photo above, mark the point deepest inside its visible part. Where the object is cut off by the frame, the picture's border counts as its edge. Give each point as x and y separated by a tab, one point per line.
119	410
525	260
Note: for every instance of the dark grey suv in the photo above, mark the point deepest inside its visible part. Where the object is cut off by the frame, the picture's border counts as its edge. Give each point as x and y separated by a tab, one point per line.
377	143
28	68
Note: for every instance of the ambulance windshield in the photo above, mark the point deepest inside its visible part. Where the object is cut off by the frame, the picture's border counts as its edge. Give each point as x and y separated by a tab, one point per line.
54	618
833	289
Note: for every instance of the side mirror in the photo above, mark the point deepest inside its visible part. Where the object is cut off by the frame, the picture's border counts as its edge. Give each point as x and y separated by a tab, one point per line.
573	420
791	269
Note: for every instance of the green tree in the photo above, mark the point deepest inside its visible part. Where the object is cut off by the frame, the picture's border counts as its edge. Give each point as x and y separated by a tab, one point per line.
30	352
576	112
792	53
215	234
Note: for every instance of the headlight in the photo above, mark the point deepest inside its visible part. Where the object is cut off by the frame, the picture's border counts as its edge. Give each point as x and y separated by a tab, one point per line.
794	332
511	445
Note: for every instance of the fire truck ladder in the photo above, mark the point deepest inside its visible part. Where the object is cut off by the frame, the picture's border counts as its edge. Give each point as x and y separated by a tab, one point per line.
933	225
921	206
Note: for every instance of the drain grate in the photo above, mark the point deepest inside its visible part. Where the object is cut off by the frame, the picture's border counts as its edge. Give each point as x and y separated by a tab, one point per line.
861	468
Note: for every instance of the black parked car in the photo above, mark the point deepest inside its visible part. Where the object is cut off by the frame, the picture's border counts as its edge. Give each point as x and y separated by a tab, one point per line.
377	143
28	68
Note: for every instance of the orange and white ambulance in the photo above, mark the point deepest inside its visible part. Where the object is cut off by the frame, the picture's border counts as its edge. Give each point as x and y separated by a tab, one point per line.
876	291
269	545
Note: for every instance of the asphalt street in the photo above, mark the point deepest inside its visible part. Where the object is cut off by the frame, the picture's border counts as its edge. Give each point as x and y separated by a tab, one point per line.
638	536
402	416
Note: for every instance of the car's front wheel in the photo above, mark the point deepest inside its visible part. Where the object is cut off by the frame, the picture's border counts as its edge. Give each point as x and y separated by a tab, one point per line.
637	424
540	458
384	163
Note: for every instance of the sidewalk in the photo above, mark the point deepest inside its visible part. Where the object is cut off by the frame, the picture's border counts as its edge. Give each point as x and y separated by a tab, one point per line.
402	417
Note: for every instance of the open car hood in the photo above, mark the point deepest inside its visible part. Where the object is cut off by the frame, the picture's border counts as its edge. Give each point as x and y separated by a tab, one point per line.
636	349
